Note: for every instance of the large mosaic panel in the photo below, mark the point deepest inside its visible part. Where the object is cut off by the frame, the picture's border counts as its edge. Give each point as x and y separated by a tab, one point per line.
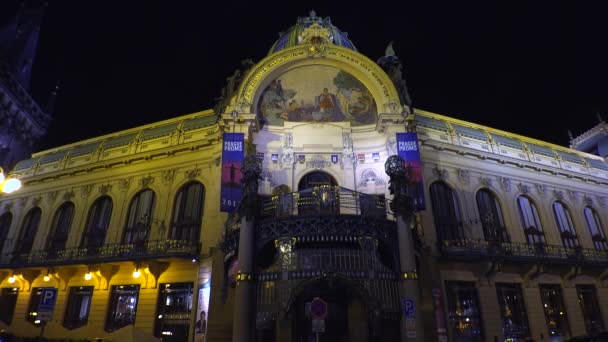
316	93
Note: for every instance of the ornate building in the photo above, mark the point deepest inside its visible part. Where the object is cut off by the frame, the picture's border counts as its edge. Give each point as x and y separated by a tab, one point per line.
147	231
22	122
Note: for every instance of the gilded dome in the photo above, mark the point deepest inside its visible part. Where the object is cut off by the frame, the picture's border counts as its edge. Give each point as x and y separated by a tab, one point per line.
312	29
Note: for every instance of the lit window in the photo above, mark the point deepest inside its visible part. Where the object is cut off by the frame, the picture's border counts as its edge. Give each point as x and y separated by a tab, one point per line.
591	310
463	312
79	304
555	311
123	306
32	310
513	311
174	308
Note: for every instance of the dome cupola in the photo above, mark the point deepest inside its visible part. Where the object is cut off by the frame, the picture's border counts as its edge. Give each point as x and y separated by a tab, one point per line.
312	29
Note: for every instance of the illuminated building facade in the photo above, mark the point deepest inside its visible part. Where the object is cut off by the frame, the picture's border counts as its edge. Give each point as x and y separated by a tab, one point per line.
129	226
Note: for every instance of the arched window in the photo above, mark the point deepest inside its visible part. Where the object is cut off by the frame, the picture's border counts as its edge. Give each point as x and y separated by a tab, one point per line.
97	224
490	216
530	221
565	225
141	212
28	231
595	228
60	228
446	212
5	225
188	212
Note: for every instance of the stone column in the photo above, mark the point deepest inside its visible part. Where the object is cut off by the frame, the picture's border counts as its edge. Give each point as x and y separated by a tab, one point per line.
243	329
412	328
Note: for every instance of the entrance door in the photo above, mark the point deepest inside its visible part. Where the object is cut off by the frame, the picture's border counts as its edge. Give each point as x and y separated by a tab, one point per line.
346	317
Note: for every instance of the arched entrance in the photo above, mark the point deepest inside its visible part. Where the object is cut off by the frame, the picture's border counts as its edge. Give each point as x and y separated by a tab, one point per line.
347	315
316	178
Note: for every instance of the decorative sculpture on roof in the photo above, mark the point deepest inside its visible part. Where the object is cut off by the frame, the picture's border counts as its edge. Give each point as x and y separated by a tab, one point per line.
391	64
232	85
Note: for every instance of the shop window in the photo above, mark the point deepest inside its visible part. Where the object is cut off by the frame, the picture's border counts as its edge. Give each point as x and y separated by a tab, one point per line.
513	311
565	225
464	317
97	224
123	306
79	304
555	311
188	212
530	221
60	228
595	228
446	212
591	310
32	309
173	311
8	300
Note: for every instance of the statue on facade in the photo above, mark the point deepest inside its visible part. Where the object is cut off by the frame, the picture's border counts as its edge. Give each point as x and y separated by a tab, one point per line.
391	64
233	82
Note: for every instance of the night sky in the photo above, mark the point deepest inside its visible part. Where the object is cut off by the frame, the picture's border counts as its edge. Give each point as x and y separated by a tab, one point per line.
532	68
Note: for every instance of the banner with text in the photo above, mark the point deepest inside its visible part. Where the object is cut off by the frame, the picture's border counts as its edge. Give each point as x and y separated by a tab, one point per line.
407	148
233	153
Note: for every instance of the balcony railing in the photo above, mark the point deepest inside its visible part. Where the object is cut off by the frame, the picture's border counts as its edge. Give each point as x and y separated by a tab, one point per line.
109	252
475	248
324	200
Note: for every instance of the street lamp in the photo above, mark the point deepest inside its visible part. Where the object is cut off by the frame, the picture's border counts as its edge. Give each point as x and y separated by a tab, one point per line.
10	184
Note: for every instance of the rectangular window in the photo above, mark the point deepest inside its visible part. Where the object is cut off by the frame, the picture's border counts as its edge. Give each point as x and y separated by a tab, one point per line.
555	311
513	311
32	309
591	310
463	312
173	311
79	303
123	306
8	299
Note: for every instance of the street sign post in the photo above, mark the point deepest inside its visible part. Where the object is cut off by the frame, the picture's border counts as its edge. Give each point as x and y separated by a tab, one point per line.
48	297
318	310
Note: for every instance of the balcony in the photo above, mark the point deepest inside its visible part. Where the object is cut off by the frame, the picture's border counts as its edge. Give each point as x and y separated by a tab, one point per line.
472	249
105	253
323	214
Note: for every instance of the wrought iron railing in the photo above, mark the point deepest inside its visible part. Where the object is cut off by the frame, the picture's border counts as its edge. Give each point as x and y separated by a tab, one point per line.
109	252
324	200
521	251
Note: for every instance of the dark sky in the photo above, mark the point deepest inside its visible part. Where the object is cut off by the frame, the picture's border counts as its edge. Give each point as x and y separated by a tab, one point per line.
531	67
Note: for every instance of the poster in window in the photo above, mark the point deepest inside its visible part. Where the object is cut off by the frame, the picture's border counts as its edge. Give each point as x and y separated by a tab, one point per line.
200	325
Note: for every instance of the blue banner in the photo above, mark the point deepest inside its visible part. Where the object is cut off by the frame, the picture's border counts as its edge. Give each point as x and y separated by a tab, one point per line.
407	148
233	153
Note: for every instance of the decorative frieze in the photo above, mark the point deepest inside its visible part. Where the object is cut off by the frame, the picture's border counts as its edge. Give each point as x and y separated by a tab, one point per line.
541	189
51	197
146	181
464	176
318	162
559	195
505	184
124	184
168	175
440	173
191	174
85	190
485	181
523	188
68	195
105	188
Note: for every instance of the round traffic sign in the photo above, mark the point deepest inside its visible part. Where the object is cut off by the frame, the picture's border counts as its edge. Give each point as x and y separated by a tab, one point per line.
318	308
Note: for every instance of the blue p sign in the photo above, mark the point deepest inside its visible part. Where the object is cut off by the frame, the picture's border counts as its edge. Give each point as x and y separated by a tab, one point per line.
409	308
48	296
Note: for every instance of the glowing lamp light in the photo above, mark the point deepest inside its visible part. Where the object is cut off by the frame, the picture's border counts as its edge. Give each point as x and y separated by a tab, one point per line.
136	273
11	279
37	321
47	278
88	276
11	185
